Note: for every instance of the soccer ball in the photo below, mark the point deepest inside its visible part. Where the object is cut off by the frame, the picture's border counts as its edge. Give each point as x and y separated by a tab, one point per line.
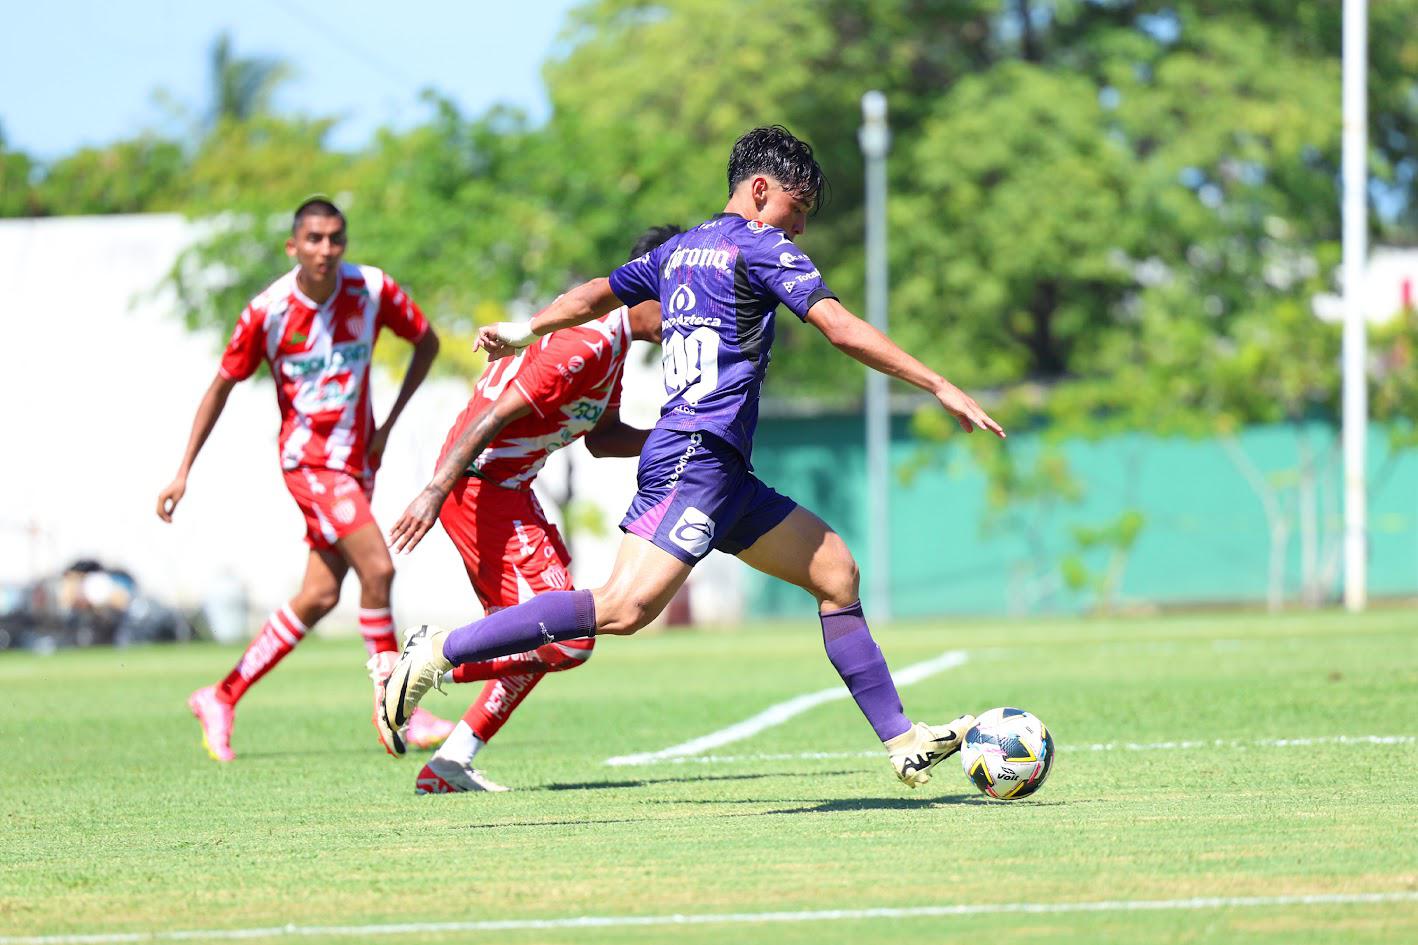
1007	753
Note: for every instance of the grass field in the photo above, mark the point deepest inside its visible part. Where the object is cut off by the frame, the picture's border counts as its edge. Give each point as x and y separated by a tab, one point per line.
116	822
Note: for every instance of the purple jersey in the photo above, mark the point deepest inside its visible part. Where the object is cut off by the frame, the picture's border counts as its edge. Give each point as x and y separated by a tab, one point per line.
719	286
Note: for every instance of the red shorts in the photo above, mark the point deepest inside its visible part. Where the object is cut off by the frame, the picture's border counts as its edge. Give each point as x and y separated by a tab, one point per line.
335	504
511	551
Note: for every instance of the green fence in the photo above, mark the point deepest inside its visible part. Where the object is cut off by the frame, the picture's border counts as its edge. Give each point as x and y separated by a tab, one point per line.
1254	519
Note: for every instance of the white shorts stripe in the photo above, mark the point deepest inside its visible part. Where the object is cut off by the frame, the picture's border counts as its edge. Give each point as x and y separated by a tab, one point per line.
326	530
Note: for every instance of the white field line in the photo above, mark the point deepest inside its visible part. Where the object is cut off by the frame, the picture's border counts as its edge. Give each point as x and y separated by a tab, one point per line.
783	711
728	918
1097	746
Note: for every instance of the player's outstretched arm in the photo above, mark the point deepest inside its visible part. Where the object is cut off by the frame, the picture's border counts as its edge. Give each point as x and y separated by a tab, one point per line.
423	511
587	301
425	350
854	337
211	407
611	436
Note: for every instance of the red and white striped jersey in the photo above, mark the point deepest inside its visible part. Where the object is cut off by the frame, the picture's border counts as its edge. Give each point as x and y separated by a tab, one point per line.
320	357
570	377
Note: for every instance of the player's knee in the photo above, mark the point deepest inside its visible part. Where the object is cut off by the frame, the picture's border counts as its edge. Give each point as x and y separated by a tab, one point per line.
378	575
839	581
623	614
318	601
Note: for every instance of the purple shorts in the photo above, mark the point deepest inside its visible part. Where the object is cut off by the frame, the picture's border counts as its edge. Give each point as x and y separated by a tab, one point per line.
696	493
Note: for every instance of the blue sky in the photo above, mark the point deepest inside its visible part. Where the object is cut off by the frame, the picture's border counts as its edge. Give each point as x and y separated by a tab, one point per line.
78	72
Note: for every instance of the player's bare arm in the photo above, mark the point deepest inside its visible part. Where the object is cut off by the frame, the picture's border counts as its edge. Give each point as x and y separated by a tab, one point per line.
423	511
587	301
208	410
859	340
612	436
425	351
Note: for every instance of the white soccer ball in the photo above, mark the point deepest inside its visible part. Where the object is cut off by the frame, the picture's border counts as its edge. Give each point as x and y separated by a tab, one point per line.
1007	753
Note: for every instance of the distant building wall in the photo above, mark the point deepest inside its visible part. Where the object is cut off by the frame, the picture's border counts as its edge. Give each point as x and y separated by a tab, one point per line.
99	380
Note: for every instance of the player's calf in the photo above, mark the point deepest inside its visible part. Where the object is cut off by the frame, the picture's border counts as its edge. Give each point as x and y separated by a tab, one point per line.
550	658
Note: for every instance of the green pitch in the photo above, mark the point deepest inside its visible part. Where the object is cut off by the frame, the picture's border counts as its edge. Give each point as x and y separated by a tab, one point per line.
115	821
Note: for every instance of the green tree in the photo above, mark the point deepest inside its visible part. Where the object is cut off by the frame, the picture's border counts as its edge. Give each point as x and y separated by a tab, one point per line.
140	175
241	87
17	172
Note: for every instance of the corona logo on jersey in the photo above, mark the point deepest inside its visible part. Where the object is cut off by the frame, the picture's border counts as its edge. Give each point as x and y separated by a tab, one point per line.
699	257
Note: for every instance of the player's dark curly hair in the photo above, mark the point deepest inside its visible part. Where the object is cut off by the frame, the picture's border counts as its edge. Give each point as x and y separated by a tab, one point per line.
774	152
653	237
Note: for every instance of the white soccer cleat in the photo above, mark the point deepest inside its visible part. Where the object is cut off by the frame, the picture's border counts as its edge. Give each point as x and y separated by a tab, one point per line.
441	776
420	667
921	747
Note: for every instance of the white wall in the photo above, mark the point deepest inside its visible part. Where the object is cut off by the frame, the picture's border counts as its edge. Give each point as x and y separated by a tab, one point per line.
98	383
1390	283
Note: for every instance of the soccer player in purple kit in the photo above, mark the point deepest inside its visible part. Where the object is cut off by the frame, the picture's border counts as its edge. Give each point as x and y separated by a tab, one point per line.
719	285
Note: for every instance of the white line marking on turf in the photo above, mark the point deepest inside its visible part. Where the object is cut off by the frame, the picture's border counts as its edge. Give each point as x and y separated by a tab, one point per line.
1097	746
780	713
731	918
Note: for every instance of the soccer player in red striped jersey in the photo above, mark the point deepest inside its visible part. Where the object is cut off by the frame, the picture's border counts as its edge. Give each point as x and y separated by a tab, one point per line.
316	327
522	409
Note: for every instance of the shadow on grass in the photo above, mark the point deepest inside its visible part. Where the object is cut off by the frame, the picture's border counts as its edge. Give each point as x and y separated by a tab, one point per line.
284	756
838	806
645	782
850	805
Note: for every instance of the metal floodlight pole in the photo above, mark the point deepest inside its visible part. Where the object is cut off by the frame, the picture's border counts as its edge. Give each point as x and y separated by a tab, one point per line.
875	140
1355	358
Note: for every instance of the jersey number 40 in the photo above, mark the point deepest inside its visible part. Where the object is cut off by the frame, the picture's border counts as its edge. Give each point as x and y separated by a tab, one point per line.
691	363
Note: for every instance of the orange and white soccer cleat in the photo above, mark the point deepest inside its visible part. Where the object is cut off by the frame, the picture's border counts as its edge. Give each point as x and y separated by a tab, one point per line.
215	717
380	665
921	747
441	776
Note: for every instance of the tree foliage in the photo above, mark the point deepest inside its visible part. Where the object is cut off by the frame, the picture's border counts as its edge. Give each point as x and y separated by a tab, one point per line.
1125	203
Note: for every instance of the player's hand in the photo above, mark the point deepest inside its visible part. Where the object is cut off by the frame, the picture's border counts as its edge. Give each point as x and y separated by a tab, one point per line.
169	497
377	443
963	408
417	519
503	338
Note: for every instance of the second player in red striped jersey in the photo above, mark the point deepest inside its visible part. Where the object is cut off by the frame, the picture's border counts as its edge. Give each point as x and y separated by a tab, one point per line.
564	387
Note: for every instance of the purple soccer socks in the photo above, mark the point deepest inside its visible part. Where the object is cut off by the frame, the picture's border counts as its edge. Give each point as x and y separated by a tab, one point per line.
546	618
858	660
